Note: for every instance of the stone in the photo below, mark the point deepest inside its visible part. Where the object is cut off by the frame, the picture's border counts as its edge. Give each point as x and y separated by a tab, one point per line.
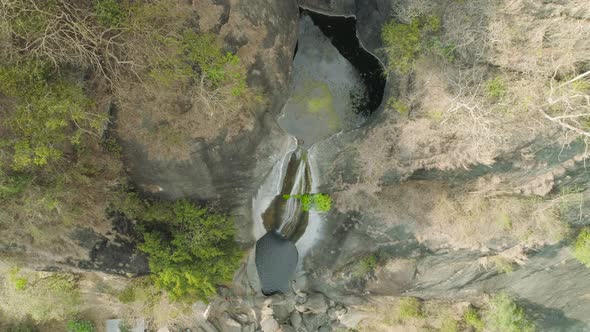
282	311
269	324
207	327
316	303
300	299
249	328
228	324
313	321
296	319
242	318
287	328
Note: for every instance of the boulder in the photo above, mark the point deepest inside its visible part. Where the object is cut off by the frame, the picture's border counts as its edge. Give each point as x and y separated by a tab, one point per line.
269	324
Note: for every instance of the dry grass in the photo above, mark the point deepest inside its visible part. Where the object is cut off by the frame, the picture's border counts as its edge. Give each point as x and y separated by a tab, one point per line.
53	298
78	194
443	216
455	123
45	296
434	315
167	119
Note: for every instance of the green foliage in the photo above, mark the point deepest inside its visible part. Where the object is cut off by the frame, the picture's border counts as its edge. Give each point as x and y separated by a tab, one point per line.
398	105
316	202
124	327
496	88
22	326
581	85
112	146
404	42
200	55
19	282
436	47
408	308
581	248
473	319
127	295
12	185
109	13
53	297
365	266
45	113
506	316
191	249
80	326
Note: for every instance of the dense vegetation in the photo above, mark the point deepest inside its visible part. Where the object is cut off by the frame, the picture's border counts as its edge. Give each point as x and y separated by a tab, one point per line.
62	65
191	249
405	41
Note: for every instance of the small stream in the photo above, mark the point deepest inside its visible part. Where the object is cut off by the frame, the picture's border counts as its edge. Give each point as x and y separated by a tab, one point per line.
336	85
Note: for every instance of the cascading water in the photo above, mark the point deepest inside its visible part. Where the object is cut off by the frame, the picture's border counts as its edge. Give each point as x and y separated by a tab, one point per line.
328	95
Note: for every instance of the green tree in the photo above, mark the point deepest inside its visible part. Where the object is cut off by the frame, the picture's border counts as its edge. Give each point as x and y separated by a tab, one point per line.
191	249
50	114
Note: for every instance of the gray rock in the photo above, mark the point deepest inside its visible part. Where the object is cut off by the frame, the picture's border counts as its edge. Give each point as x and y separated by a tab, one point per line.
207	327
282	311
313	321
296	319
336	312
316	303
288	328
228	324
325	328
242	318
249	328
300	299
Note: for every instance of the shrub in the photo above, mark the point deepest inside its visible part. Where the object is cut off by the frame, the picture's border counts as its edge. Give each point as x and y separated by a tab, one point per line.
496	88
23	326
45	113
400	106
19	282
502	264
109	13
365	265
200	56
80	326
473	319
582	247
581	86
404	42
12	185
408	308
505	316
127	295
317	202
191	249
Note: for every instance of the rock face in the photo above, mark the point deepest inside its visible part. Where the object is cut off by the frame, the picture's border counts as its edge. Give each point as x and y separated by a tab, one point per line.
551	284
370	16
227	169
